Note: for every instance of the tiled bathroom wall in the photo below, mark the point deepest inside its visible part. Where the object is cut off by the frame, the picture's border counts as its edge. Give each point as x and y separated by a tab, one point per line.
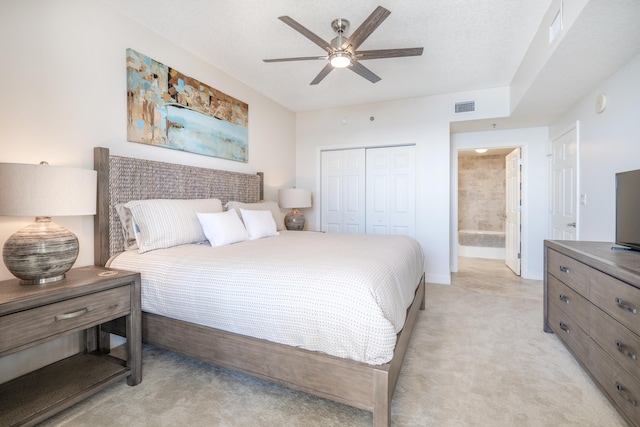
481	192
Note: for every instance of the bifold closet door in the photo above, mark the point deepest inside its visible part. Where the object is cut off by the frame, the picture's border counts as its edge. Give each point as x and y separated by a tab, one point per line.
391	190
369	190
343	191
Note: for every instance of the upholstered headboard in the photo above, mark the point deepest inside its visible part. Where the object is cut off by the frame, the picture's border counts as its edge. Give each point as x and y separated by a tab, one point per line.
122	179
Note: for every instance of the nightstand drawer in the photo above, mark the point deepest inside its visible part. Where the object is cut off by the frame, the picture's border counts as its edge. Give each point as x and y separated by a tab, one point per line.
26	327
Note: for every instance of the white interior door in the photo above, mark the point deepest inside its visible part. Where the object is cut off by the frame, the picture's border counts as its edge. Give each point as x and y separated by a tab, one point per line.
343	191
391	189
513	210
563	195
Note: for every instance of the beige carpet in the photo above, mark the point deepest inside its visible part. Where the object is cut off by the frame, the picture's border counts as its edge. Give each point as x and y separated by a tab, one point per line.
478	357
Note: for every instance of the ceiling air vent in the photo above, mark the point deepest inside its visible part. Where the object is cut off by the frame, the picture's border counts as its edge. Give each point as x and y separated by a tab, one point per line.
465	107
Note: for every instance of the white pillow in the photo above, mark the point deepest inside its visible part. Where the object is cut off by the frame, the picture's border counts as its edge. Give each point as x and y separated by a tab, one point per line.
259	224
163	223
222	228
260	206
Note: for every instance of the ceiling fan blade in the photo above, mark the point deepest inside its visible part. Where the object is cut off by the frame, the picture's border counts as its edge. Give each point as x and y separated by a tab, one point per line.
300	58
366	28
305	32
322	74
360	69
388	53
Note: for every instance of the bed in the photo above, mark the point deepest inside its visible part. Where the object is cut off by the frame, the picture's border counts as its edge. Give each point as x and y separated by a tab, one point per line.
361	377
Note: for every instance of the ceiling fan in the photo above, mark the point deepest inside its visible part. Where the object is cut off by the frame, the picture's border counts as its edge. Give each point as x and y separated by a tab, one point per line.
342	51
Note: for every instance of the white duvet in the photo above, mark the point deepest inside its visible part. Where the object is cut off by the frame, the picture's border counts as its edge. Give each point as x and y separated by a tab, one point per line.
342	294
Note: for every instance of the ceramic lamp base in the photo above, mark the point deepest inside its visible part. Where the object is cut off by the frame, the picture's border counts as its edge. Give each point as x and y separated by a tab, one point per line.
41	252
294	220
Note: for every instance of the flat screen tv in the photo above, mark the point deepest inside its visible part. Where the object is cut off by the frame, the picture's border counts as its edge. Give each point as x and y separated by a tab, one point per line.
628	209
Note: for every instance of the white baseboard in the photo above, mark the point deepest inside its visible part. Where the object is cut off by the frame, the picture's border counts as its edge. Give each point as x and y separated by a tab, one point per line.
440	279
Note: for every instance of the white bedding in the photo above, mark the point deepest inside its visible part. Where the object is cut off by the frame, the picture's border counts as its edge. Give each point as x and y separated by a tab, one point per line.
342	294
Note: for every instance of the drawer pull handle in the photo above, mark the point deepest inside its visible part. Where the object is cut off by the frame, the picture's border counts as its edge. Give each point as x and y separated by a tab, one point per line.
564	327
565	269
564	298
66	316
622	349
626	396
624	306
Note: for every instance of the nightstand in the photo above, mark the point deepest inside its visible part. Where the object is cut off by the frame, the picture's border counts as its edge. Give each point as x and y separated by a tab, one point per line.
33	314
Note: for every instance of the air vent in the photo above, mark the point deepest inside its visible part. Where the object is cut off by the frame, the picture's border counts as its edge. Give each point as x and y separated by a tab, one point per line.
465	107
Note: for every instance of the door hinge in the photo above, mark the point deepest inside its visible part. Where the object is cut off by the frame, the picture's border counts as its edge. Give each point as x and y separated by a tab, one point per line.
518	255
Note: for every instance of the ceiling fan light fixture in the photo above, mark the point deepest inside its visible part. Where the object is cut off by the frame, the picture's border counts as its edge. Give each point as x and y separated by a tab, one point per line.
343	51
340	59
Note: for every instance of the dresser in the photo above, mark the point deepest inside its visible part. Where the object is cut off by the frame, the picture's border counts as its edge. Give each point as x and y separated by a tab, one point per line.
33	314
592	303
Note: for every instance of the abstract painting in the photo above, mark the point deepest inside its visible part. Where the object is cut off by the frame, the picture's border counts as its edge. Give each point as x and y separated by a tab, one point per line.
168	109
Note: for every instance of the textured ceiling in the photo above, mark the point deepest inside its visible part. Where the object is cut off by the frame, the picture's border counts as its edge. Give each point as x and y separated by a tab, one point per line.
468	44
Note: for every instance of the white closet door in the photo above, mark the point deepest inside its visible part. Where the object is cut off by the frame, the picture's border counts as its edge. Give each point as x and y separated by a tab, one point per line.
391	189
343	191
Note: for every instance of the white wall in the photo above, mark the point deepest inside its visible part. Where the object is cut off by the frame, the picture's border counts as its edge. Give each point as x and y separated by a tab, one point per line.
535	146
64	92
421	121
609	143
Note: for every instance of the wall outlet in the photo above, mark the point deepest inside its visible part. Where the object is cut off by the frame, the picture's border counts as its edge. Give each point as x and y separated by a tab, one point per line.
583	199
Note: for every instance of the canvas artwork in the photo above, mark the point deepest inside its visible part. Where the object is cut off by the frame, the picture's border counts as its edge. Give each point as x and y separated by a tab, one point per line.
165	108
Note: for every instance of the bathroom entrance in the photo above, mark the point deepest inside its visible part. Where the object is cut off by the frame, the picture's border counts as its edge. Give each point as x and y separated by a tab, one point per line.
489	204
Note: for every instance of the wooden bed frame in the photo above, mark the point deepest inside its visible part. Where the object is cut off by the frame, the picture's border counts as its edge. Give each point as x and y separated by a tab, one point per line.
368	387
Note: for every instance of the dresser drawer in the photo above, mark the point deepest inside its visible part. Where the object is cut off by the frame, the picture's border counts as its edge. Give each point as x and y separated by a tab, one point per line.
26	327
571	272
616	298
569	301
618	342
568	331
618	384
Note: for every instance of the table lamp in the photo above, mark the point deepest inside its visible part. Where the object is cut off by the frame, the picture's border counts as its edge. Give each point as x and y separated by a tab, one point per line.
43	251
294	198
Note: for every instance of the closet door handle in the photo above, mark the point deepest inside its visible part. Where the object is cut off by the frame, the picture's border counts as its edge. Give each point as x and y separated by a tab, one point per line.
625	395
622	349
627	307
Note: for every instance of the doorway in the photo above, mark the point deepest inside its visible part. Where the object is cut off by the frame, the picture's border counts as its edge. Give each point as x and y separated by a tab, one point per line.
489	205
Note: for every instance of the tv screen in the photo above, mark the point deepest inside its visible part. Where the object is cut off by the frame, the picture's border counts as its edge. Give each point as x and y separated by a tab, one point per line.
628	209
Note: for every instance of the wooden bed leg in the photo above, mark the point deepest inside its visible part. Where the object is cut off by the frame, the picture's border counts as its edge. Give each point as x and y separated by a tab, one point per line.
381	399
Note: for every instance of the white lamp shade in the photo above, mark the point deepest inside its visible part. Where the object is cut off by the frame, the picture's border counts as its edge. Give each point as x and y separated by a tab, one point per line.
297	198
42	190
